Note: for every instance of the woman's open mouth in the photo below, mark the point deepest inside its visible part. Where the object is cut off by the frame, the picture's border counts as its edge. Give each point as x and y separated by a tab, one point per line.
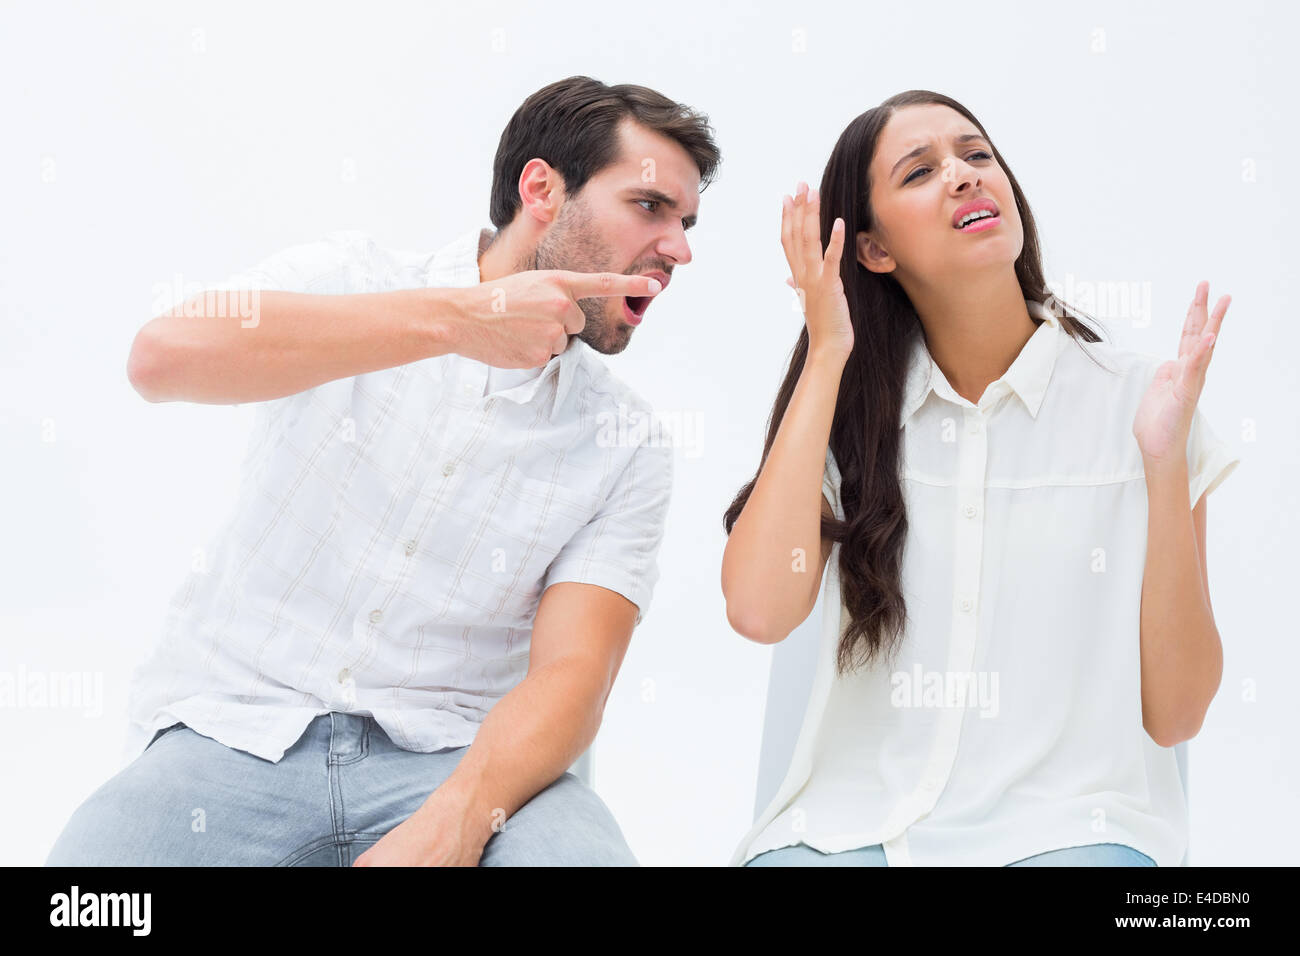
983	222
976	216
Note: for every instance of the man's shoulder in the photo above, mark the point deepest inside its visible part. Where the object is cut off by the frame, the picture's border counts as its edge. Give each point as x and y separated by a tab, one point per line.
450	261
607	391
600	381
622	416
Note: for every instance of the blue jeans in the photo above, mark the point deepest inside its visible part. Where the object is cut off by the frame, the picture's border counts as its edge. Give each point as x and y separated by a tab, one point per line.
1098	854
189	800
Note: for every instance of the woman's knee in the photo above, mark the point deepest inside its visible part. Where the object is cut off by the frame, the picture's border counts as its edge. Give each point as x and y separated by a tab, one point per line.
800	854
1096	854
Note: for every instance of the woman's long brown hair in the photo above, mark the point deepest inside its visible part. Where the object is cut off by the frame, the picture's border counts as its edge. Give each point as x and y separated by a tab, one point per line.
865	436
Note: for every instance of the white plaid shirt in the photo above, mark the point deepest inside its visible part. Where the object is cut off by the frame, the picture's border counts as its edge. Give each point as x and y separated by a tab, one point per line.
395	531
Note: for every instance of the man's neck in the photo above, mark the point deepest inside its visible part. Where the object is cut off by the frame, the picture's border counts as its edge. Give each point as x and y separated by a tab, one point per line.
495	257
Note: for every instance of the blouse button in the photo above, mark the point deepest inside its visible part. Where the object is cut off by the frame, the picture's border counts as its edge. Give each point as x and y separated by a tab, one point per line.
376	616
969	511
967	604
973	426
448	468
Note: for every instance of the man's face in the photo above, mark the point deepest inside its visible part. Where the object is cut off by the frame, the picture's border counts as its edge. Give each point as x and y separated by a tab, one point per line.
631	217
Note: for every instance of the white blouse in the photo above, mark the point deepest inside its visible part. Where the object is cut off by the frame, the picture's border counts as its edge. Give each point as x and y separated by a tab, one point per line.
1010	723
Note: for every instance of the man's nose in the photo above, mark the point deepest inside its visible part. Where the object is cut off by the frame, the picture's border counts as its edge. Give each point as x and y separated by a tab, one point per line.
676	246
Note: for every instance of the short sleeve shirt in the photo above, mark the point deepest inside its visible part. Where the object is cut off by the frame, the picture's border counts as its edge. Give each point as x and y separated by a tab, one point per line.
1010	723
395	531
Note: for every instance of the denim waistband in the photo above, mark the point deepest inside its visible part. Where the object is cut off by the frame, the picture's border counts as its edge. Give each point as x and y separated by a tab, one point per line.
349	735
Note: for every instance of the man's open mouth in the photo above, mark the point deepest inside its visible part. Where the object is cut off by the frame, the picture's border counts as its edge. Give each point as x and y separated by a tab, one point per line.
635	306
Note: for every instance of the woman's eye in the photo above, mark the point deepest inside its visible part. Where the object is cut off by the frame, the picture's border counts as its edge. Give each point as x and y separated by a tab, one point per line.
653	202
919	169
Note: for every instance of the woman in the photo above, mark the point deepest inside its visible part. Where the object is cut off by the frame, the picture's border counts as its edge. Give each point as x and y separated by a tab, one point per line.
1018	622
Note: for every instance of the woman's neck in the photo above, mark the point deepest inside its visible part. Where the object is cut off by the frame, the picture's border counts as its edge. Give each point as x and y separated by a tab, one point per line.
974	331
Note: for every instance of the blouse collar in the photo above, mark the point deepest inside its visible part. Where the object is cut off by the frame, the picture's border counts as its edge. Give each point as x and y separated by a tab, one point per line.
1027	377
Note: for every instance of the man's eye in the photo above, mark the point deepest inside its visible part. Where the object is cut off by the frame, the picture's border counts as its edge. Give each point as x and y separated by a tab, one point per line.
653	202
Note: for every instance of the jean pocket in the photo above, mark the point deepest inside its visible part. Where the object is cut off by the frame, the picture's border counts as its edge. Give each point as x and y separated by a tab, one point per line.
160	733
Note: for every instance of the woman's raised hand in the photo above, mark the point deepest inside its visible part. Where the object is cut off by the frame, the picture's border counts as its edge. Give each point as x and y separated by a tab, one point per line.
816	277
1164	416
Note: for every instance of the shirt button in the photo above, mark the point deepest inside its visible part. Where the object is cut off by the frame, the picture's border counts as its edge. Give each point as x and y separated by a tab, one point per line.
410	546
468	388
376	616
970	511
344	675
448	468
967	604
973	426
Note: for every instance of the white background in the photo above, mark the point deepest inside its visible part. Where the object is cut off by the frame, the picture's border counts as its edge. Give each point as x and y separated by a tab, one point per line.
193	139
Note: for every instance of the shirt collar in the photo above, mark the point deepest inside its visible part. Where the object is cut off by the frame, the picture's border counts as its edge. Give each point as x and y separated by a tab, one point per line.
1027	376
457	265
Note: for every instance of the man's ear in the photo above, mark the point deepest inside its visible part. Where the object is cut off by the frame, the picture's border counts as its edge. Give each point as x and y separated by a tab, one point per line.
871	255
541	190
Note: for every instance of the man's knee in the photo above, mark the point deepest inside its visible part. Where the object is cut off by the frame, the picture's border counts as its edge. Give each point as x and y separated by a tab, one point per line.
117	825
566	824
173	806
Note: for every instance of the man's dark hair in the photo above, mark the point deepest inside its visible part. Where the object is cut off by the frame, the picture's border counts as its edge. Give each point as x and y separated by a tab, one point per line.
573	123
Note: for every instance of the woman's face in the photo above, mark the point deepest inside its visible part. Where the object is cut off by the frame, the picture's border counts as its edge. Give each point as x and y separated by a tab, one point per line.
916	195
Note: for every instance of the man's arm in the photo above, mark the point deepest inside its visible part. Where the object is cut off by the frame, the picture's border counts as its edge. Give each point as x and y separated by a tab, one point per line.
231	346
538	729
596	590
305	316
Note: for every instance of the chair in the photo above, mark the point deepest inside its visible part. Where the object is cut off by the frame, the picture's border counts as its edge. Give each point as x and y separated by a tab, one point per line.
794	662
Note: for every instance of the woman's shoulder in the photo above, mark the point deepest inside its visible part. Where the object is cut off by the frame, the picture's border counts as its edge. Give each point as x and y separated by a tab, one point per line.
1106	365
1094	386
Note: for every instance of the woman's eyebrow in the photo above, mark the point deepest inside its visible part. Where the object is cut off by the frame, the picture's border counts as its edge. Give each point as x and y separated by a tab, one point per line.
926	147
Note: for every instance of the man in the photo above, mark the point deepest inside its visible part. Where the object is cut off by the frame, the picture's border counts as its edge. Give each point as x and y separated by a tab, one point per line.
409	627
